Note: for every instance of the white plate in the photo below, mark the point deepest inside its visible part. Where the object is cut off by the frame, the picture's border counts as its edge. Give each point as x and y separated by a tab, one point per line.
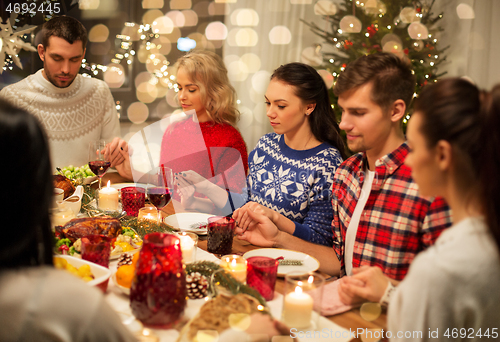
101	274
309	264
185	222
123	185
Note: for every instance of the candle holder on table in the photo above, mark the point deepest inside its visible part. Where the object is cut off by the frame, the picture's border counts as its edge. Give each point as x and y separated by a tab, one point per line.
236	265
189	243
302	298
158	292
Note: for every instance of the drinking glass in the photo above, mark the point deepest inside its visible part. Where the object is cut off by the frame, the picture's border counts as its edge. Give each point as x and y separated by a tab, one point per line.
133	199
220	235
158	292
261	275
160	188
97	163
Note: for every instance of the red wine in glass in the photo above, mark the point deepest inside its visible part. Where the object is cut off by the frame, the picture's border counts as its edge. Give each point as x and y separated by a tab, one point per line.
159	196
99	167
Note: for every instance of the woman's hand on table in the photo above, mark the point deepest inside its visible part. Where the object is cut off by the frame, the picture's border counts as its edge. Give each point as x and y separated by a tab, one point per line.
367	283
263	233
242	217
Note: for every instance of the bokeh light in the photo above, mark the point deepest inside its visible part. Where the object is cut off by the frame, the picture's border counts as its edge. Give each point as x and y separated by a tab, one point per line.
190	18
280	35
180	4
325	7
142	77
163	45
131	30
150	16
408	15
418	30
98	34
350	24
114	76
252	62
177	18
163	25
149	4
185	44
465	11
86	5
217	9
146	92
200	39
216	31
137	112
245	17
237	71
171	98
242	37
260	81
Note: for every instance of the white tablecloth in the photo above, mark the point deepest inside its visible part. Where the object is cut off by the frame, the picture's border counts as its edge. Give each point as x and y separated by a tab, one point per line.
326	331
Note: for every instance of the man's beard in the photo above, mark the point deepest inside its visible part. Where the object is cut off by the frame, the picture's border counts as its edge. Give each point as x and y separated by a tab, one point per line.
54	81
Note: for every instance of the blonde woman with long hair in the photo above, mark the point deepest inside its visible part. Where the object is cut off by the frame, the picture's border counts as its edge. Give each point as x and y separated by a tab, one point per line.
207	140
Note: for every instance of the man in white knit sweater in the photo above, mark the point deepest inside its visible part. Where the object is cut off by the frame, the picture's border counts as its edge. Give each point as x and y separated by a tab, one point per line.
73	109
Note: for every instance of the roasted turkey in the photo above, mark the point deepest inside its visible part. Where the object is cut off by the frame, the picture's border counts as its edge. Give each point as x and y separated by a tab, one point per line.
64	183
80	227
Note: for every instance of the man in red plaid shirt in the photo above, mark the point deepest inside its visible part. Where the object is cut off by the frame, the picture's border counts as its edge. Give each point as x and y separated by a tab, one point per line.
379	217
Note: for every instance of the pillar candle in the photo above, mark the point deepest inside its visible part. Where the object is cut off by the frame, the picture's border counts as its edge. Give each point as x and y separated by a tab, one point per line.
187	248
236	265
297	309
108	198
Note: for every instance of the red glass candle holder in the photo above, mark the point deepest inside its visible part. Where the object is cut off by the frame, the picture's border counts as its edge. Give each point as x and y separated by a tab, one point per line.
158	292
220	235
261	275
96	249
133	199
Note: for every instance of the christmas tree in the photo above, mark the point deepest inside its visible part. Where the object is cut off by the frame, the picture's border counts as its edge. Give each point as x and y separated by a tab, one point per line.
360	27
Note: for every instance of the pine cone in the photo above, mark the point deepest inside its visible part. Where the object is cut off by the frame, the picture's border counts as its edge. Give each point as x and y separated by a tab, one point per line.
196	285
124	259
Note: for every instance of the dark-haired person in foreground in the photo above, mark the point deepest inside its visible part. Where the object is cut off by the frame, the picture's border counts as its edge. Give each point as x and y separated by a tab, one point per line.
38	302
74	110
380	219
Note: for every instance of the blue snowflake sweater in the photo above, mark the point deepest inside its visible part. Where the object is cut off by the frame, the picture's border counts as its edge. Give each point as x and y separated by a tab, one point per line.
296	184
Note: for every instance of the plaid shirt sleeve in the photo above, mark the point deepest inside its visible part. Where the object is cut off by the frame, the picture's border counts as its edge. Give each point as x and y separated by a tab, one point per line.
437	219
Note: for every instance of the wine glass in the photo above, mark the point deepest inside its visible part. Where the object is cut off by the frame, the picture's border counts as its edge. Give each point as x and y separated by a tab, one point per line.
97	163
160	188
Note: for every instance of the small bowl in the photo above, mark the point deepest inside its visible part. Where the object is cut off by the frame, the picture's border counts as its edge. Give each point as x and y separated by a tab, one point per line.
74	202
101	274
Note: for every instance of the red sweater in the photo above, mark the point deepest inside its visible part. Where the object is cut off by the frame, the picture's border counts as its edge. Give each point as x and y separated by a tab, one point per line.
208	148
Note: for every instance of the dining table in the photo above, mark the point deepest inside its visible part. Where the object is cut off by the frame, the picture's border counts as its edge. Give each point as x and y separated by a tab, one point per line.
345	326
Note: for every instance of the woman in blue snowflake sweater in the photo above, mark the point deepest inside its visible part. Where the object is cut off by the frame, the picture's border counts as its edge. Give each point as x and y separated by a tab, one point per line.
291	170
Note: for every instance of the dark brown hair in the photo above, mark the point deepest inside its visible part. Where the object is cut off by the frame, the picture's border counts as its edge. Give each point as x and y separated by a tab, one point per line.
456	111
27	190
392	78
310	88
64	27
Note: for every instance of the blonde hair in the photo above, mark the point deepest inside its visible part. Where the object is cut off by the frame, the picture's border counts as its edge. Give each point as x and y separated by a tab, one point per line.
207	70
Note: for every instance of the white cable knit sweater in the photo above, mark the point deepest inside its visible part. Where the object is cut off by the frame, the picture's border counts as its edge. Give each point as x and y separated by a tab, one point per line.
72	116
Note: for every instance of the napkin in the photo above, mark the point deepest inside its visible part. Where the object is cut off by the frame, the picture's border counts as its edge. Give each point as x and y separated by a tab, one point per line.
331	303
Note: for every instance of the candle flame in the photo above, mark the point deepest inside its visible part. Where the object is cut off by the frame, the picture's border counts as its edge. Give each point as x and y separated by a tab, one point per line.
233	262
298	289
109	183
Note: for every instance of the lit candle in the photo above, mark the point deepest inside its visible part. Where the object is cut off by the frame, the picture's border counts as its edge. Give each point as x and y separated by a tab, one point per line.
148	213
297	309
188	247
108	198
236	265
